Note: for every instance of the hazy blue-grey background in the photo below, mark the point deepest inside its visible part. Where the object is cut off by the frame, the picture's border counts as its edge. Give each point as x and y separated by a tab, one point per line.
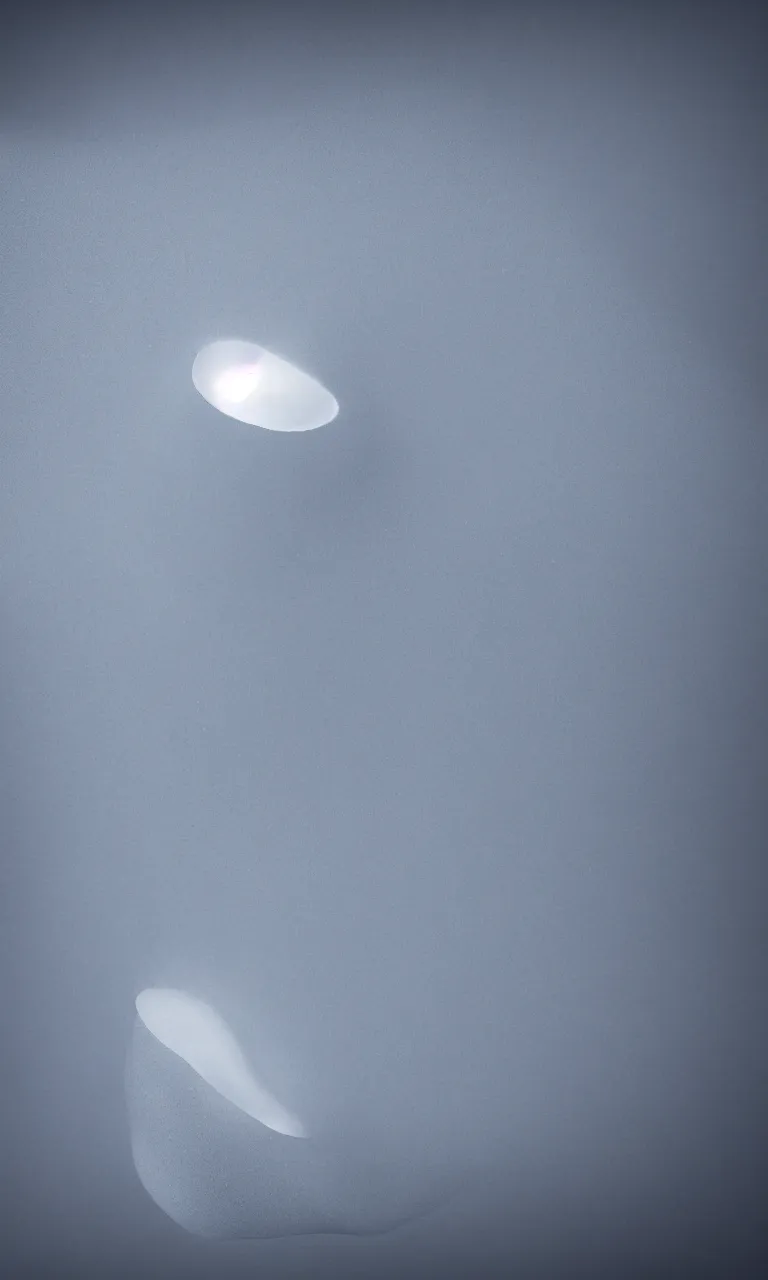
430	746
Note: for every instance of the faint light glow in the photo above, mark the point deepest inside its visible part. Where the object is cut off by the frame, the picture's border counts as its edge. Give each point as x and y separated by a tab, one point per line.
195	1032
252	385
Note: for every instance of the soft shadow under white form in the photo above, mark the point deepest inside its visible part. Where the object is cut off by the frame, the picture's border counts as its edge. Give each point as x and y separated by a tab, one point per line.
252	385
222	1157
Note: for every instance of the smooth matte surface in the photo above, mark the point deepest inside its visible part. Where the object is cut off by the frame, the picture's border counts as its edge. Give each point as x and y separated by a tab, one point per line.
427	749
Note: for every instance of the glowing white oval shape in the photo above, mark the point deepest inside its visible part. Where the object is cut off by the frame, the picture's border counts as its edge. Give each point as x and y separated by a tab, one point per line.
194	1031
252	385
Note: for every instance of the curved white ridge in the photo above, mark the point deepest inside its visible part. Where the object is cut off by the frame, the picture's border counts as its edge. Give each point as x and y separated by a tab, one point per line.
192	1029
252	385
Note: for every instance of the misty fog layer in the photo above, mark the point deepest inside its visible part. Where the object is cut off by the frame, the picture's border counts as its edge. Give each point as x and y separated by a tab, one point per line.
428	749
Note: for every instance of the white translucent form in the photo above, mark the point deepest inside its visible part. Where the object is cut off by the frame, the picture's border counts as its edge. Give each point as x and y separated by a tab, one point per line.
248	383
194	1031
218	1154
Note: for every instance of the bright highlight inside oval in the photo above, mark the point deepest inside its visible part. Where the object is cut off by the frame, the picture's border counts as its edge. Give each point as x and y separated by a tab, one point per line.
253	385
237	384
194	1031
